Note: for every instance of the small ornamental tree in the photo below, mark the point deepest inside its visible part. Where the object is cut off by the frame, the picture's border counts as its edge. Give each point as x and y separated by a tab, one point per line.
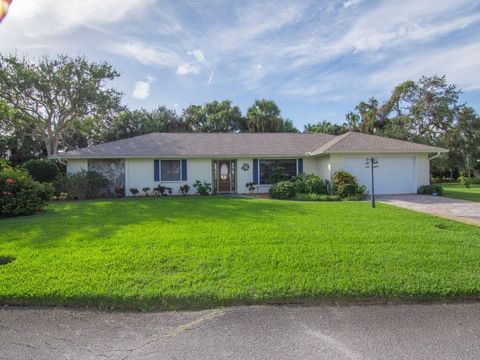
41	170
20	194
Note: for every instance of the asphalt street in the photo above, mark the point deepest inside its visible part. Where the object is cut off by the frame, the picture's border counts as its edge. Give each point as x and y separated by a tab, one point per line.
438	331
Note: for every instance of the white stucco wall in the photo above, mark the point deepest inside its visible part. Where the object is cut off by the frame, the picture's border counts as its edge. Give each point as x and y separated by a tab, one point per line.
323	167
401	172
77	165
310	165
423	169
139	173
243	176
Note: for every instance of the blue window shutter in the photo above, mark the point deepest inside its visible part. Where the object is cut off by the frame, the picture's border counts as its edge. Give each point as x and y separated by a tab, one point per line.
300	166
255	171
184	170
156	170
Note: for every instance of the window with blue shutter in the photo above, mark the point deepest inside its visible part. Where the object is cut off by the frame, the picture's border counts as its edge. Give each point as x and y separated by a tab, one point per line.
156	170
184	170
255	171
300	166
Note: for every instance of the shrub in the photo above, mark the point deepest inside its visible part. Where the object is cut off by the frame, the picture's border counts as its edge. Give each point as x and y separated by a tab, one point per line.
430	189
465	181
250	186
346	186
184	189
134	191
119	191
82	185
146	190
342	178
202	189
42	170
20	194
159	190
282	190
277	175
316	197
309	184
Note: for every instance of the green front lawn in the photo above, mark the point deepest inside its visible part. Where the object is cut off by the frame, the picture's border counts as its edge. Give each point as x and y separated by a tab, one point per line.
192	252
458	191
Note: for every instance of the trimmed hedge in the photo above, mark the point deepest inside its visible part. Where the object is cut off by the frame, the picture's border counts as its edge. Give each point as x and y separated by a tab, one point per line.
430	189
310	184
346	186
282	190
42	170
82	185
316	197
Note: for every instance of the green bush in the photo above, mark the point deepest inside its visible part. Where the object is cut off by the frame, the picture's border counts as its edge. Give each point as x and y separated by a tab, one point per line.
282	190
465	181
430	189
309	184
343	178
184	189
202	189
20	194
316	197
346	186
82	185
42	170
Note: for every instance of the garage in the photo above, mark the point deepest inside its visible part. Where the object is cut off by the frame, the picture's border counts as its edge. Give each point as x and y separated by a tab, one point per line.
394	175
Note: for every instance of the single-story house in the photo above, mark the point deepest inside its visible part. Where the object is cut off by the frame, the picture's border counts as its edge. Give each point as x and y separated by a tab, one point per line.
229	161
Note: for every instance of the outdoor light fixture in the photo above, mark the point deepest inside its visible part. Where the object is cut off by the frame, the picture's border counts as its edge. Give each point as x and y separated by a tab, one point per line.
372	163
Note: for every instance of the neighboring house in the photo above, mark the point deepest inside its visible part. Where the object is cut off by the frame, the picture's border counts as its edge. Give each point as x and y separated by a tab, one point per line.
229	161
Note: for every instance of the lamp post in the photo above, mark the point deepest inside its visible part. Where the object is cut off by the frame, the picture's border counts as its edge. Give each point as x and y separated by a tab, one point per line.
372	163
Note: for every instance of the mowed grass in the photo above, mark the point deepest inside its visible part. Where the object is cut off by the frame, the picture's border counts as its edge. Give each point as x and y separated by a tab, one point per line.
458	191
192	252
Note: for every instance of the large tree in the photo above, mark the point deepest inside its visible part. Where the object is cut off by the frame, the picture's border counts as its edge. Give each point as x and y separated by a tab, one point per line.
131	123
265	116
53	92
325	127
214	116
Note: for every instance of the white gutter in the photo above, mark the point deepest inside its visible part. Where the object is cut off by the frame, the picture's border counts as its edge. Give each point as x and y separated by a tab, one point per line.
435	156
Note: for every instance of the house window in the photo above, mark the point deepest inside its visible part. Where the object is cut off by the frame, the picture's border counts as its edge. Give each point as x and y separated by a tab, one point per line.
287	166
170	170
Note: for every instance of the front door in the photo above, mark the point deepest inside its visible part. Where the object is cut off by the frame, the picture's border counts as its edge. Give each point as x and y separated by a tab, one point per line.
224	175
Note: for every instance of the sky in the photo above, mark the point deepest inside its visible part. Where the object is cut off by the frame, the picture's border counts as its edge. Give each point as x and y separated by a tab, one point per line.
316	59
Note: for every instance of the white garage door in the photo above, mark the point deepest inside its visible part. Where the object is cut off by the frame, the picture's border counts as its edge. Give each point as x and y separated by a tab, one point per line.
394	175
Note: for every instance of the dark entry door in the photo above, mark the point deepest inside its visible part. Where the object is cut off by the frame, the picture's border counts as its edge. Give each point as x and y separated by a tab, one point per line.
224	176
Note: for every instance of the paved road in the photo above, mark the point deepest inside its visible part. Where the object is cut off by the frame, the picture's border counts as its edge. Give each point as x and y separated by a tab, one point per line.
258	332
460	210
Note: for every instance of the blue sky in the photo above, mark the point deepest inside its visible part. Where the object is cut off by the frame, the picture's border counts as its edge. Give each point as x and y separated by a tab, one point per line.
316	59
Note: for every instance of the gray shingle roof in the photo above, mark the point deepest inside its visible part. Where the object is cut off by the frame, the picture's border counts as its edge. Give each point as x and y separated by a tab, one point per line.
353	142
244	144
198	145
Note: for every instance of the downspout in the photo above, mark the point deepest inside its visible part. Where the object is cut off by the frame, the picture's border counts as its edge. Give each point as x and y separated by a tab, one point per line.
435	156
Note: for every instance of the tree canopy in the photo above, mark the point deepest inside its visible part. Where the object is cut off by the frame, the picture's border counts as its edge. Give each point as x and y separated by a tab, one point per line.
52	92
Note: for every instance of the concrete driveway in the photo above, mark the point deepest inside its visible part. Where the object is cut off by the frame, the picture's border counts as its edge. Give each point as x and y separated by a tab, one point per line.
460	210
390	332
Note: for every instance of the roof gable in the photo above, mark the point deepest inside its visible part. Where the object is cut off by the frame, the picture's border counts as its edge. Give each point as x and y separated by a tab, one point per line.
353	142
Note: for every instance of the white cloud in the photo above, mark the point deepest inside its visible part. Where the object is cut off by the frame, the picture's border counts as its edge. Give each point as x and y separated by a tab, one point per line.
459	63
185	69
351	3
146	53
29	19
198	54
141	89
